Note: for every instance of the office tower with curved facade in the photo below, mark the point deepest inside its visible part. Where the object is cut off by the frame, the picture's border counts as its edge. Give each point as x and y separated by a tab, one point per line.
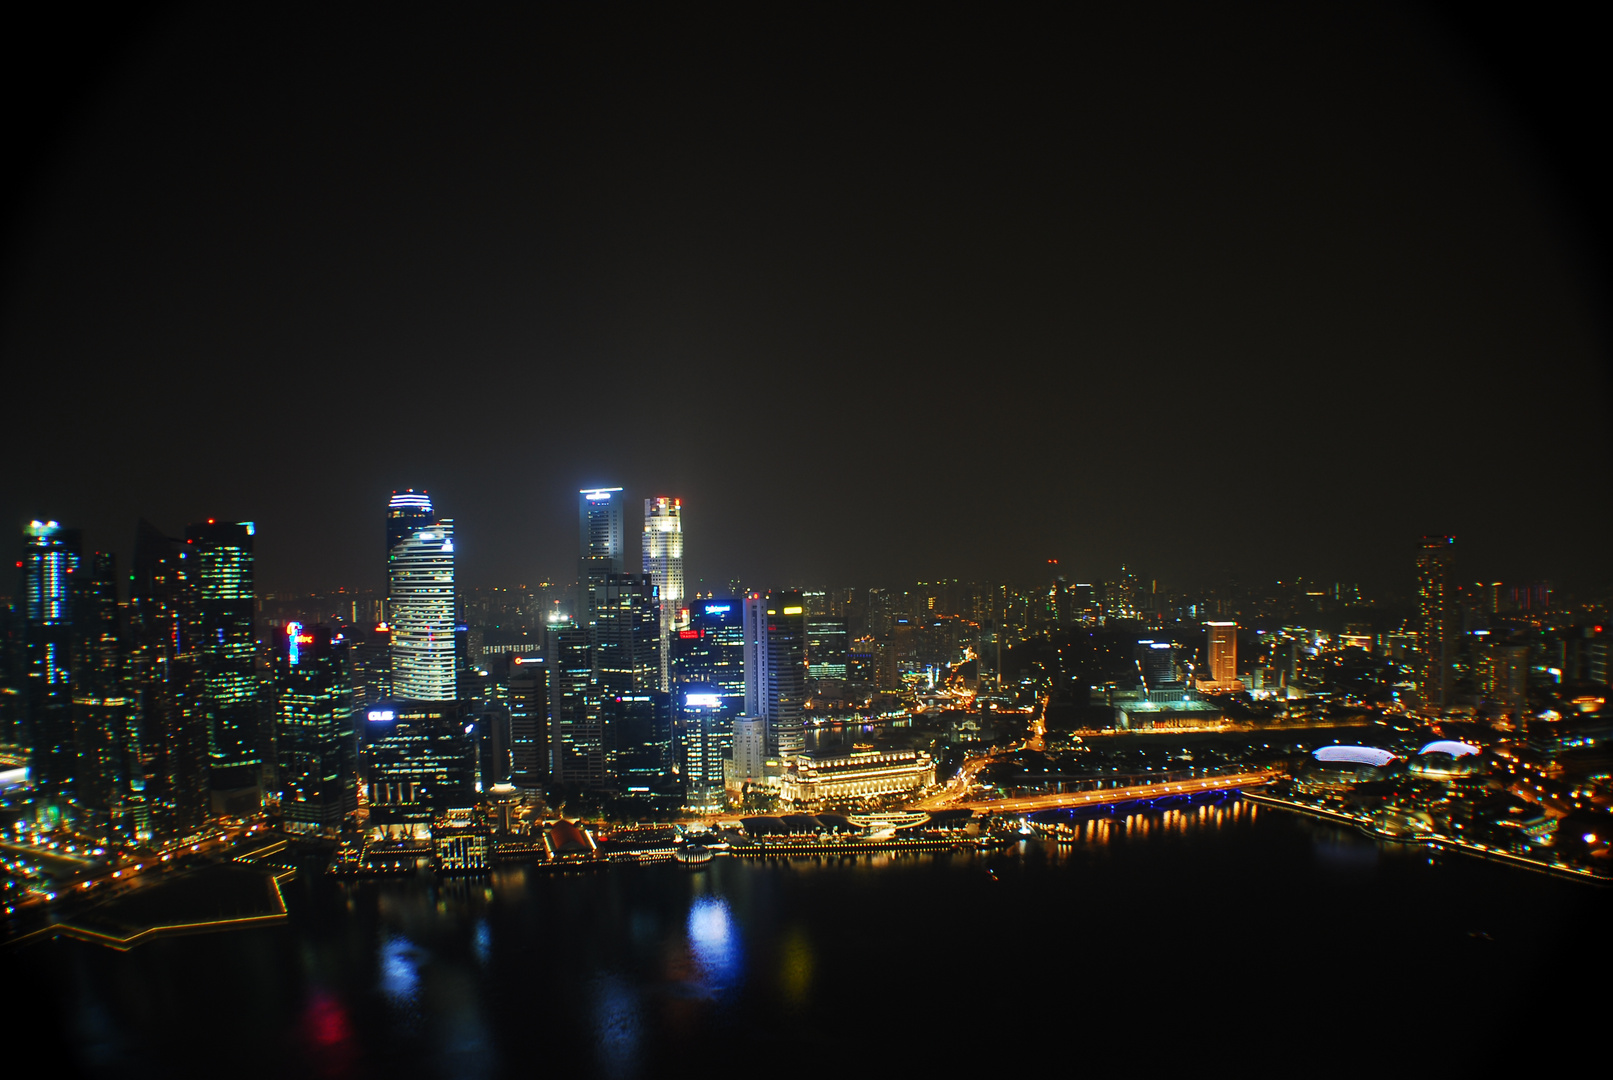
420	595
663	562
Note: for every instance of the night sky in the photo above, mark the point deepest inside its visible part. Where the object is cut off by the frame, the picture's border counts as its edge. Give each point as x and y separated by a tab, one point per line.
1271	292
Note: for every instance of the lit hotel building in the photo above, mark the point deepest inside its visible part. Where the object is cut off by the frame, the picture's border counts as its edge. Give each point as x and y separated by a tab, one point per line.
663	562
420	596
814	782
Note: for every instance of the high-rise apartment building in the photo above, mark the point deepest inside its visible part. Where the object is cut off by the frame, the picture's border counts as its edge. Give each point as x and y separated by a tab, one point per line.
220	612
775	669
420	599
1436	621
663	563
315	745
50	559
1223	652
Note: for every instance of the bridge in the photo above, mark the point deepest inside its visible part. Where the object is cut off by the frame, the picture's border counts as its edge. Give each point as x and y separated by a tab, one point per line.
1106	796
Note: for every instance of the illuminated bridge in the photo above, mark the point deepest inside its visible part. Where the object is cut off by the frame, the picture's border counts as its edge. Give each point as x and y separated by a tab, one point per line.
1134	793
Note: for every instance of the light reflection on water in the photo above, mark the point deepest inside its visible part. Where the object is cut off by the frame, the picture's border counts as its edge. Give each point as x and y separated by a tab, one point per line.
618	1027
400	970
714	941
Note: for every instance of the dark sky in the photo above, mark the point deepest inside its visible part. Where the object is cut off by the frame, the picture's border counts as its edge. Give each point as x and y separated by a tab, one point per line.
1270	291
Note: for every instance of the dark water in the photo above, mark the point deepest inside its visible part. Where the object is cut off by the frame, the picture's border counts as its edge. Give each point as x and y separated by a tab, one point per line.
1227	934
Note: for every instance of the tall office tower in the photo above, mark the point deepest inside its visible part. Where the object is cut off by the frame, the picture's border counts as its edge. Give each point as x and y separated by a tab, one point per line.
710	651
528	702
1436	621
420	763
105	721
663	562
421	598
706	719
638	741
599	547
827	641
220	611
775	669
173	753
576	722
625	640
1223	652
625	634
50	559
407	513
315	746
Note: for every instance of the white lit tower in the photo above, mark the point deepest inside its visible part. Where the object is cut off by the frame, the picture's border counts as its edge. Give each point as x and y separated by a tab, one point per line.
663	562
420	598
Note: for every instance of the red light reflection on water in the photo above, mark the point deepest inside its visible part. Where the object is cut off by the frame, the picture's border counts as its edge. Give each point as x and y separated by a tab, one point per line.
327	1035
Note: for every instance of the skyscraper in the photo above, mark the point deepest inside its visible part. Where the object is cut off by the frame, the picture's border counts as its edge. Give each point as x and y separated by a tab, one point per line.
105	721
173	753
220	612
576	725
710	651
407	513
706	718
663	562
528	703
775	668
315	746
50	559
420	597
1223	652
1436	621
599	550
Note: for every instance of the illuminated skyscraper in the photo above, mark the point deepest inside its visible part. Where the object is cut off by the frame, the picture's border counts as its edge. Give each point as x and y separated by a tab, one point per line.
1223	652
315	747
528	702
775	669
173	752
710	651
706	718
1436	621
576	724
407	513
217	559
663	562
421	598
106	730
599	549
50	559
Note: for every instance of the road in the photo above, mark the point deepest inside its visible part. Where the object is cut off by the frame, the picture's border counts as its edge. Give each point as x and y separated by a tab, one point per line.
1113	795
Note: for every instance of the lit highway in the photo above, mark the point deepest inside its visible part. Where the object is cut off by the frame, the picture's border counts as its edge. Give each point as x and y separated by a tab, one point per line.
1113	795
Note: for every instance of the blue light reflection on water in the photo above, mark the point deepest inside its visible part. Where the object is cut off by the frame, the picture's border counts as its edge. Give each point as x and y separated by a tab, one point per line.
400	970
714	941
618	1027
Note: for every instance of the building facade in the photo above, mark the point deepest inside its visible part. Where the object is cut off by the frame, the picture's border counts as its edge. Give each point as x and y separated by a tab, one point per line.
775	669
663	564
420	598
315	744
1437	627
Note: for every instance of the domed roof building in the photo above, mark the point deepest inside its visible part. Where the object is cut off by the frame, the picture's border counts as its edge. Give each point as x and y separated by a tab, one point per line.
1447	759
1343	766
